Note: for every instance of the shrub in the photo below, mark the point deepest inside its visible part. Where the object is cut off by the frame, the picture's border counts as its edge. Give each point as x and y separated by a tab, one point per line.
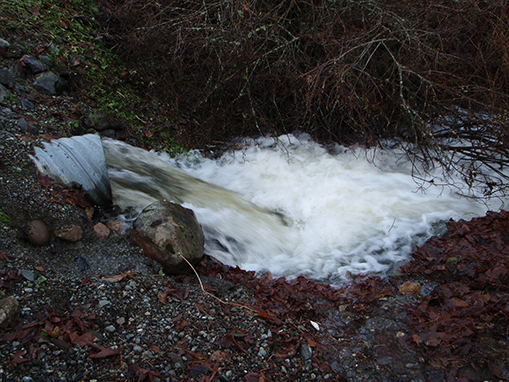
345	70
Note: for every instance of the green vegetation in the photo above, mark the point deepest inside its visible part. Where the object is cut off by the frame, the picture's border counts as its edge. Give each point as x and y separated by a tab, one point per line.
5	219
72	35
12	98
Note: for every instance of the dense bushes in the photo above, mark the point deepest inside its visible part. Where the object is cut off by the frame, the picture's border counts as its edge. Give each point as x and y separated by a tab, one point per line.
346	70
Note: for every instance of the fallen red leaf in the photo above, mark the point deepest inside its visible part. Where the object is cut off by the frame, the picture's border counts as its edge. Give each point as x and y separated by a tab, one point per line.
18	357
104	352
254	377
144	373
81	340
270	317
163	298
155	348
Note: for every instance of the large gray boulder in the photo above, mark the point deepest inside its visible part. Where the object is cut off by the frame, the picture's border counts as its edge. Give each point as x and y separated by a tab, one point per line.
167	232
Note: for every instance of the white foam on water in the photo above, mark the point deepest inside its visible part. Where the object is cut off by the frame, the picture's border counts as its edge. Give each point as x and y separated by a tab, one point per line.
353	212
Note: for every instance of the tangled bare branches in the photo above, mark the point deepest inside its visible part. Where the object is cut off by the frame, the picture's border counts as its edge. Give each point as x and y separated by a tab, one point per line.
347	70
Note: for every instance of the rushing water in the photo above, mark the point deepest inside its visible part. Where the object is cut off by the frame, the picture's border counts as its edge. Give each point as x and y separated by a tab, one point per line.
291	207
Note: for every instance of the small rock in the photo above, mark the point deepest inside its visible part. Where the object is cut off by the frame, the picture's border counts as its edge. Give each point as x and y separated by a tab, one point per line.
110	328
131	285
103	303
115	226
101	231
109	133
101	122
5	110
72	234
23	124
306	352
6	78
121	321
81	264
9	311
27	105
49	83
38	233
4	44
410	287
4	92
31	63
147	354
137	348
28	274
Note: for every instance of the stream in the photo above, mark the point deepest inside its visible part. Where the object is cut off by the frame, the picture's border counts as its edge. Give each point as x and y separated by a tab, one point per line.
291	206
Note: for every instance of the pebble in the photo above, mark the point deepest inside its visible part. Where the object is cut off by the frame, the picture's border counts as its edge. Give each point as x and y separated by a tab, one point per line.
110	328
121	321
137	348
306	352
103	303
28	274
26	104
147	354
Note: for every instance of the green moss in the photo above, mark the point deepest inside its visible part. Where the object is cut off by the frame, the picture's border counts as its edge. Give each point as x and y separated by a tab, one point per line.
170	249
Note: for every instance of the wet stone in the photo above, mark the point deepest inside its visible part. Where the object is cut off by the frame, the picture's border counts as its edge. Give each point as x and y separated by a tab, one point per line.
21	88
